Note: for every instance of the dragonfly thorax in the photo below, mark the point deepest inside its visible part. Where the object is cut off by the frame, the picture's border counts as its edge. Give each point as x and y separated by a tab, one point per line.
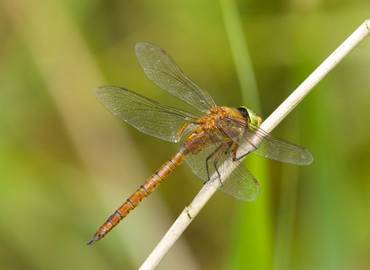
218	114
208	129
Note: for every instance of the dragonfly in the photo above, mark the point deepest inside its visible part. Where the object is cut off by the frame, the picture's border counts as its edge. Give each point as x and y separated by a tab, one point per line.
212	139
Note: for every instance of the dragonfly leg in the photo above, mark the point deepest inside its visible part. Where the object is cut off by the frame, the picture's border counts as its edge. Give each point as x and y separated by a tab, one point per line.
207	168
216	151
226	149
217	171
207	160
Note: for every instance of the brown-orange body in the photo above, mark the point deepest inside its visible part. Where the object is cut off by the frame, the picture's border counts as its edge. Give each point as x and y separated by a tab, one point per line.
206	132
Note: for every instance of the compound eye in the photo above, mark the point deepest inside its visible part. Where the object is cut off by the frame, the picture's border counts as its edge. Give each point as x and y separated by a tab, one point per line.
244	112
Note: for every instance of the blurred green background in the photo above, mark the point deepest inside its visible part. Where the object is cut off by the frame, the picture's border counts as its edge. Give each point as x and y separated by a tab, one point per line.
66	163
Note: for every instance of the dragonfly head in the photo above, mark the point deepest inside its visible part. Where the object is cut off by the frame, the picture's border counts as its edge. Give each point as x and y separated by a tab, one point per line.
251	116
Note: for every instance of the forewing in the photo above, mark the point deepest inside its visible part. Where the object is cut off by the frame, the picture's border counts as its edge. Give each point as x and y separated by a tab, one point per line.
254	139
144	114
160	68
240	183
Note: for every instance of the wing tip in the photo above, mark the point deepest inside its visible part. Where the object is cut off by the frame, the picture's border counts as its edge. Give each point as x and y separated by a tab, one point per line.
103	90
139	46
250	197
307	158
98	90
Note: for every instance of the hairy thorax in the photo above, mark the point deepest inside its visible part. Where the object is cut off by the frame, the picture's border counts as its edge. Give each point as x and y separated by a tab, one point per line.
207	130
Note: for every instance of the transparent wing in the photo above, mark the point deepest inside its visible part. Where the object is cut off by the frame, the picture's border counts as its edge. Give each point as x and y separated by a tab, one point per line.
145	114
240	184
160	68
254	139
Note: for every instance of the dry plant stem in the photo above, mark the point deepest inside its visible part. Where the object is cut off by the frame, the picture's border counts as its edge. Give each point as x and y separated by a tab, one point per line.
188	214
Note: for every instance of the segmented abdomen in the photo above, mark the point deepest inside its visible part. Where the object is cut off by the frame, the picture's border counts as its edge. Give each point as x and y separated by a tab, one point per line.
141	193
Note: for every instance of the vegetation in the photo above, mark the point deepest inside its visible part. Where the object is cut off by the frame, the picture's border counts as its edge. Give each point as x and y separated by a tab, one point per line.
66	163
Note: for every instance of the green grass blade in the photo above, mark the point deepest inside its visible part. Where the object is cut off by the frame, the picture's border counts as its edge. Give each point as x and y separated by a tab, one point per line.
252	235
239	50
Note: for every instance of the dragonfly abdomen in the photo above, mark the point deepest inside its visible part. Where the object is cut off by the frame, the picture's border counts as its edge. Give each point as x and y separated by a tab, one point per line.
141	193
